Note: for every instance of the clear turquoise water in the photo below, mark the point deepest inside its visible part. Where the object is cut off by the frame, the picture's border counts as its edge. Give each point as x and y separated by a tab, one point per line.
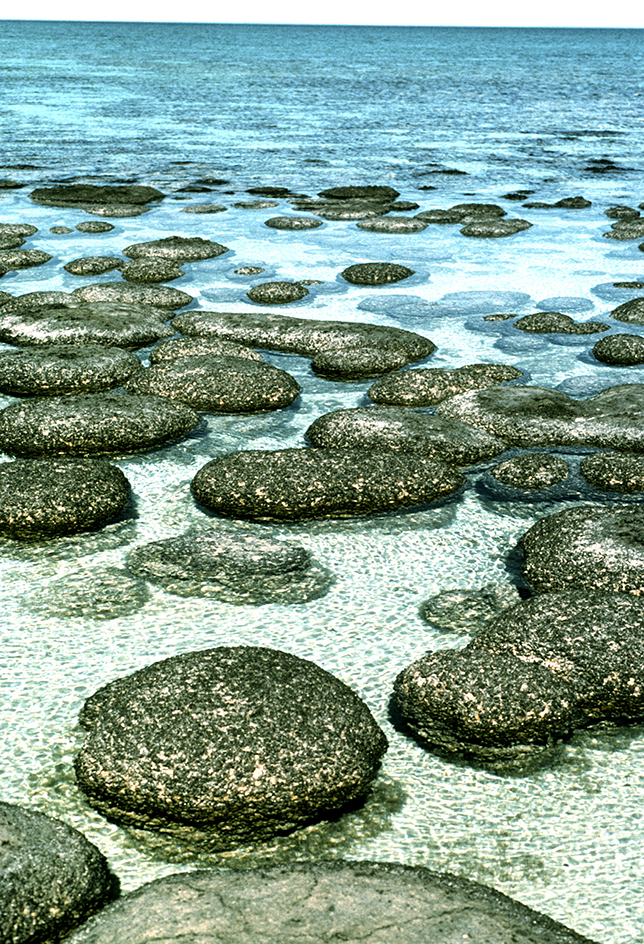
308	108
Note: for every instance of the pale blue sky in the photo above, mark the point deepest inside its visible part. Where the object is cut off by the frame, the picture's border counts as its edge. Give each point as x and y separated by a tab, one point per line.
591	13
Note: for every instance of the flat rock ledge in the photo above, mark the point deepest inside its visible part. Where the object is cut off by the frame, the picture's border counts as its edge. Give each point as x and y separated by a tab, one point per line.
382	902
42	498
75	322
295	484
221	384
242	743
107	423
403	431
427	386
341	349
80	196
538	416
51	878
236	567
593	546
530	677
65	368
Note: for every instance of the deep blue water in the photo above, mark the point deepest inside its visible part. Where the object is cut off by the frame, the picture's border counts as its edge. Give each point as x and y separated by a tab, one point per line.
473	114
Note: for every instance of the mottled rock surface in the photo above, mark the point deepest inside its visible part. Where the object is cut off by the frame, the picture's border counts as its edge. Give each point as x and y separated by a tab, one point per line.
337	345
531	470
106	423
427	386
242	742
236	567
46	497
95	593
631	312
51	878
538	416
129	293
397	225
405	431
222	384
151	270
65	368
74	322
621	350
93	265
532	675
82	195
614	471
23	258
319	902
590	546
293	484
174	348
494	229
298	223
95	226
553	322
277	293
376	273
176	249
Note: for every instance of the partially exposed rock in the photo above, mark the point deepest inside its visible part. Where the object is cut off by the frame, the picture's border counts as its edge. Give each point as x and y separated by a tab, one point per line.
41	498
82	195
277	293
620	349
157	296
93	265
240	742
428	386
376	273
294	484
614	471
107	423
67	368
531	470
109	323
51	878
549	322
593	547
537	416
220	384
403	431
354	346
176	249
315	901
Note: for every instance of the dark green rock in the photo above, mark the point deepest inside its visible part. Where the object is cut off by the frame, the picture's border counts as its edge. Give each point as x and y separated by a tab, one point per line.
243	743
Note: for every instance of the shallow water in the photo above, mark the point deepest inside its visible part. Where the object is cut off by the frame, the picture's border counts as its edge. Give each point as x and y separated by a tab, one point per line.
308	108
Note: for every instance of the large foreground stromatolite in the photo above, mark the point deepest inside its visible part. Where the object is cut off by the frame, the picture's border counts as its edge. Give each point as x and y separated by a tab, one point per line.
242	743
321	902
533	674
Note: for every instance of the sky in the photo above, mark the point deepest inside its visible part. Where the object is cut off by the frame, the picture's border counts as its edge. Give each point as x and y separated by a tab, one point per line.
562	13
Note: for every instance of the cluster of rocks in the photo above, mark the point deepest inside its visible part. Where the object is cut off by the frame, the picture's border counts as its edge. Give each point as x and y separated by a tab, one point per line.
341	350
482	220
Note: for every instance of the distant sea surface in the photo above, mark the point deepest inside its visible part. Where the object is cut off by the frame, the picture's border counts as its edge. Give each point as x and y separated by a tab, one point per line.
444	116
306	105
